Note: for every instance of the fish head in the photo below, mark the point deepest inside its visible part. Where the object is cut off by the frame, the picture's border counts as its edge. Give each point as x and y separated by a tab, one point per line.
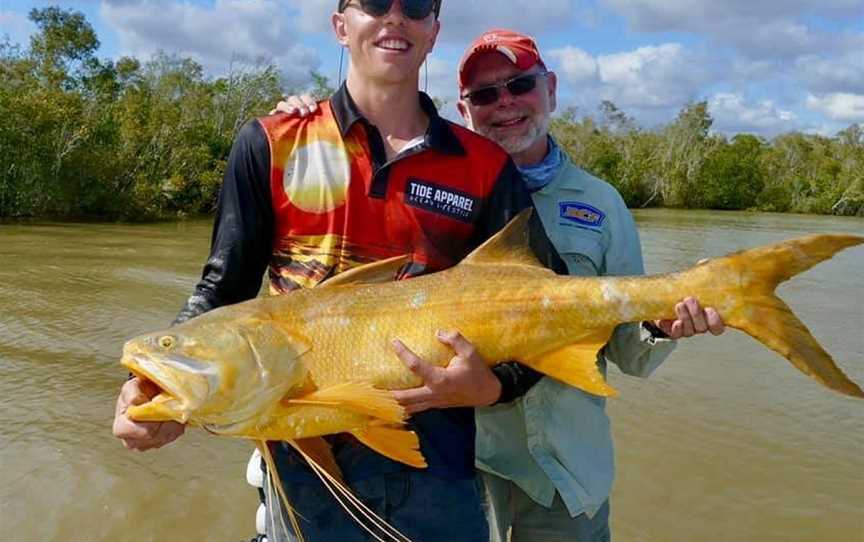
214	372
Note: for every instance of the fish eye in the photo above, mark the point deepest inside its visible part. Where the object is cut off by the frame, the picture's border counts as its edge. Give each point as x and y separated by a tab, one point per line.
166	342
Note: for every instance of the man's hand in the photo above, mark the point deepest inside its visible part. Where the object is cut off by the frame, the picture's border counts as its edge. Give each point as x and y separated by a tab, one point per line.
692	320
296	106
141	436
466	382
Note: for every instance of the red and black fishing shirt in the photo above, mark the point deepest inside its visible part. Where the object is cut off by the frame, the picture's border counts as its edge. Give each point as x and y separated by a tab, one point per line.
306	199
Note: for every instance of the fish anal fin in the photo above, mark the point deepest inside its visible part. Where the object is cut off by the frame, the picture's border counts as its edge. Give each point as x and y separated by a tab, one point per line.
318	450
397	443
576	364
356	396
371	273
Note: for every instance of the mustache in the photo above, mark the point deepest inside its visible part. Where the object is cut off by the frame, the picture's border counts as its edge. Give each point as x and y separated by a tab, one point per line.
497	119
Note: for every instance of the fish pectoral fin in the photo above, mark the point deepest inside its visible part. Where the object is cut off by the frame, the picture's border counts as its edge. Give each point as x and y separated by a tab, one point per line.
357	396
397	443
371	273
318	450
576	364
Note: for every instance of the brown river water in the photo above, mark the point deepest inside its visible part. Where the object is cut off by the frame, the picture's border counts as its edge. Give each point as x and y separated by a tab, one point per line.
726	441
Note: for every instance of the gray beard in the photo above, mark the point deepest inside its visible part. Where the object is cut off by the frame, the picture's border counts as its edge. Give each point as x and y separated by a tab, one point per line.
517	144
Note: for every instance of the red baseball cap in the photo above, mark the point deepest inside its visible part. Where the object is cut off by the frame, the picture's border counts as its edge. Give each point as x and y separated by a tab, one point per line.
520	49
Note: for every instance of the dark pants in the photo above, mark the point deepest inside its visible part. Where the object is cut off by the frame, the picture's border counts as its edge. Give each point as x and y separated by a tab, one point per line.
422	507
515	517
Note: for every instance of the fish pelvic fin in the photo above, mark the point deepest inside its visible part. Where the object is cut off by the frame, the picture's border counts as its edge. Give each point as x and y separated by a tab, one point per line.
576	364
761	314
397	443
319	450
356	396
509	247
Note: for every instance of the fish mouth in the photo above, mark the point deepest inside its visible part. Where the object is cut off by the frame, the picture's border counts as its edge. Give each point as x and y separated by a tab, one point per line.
170	403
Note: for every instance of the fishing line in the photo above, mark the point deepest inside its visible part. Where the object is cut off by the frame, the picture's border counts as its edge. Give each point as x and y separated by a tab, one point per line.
341	56
271	472
330	482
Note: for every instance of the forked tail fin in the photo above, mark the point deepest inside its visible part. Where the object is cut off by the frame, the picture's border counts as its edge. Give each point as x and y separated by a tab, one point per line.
766	318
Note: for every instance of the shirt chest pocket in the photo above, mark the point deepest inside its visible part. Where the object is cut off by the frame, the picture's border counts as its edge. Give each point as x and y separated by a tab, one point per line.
582	251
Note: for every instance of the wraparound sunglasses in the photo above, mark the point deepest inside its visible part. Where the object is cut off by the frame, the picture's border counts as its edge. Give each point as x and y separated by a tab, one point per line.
413	9
519	85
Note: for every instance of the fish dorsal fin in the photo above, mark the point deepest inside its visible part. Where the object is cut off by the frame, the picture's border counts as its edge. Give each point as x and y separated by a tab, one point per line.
397	443
510	246
370	273
576	364
359	397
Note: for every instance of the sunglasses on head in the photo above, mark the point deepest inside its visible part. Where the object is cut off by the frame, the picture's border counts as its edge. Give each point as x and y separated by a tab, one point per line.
413	9
519	85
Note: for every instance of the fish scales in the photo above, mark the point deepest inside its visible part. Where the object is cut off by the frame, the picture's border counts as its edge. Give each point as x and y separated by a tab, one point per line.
267	354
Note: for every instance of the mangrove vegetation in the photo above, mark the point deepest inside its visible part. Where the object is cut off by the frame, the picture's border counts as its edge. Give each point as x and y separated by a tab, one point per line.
133	139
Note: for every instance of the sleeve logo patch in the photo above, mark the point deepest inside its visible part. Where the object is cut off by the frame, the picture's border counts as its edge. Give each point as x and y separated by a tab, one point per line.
581	213
441	200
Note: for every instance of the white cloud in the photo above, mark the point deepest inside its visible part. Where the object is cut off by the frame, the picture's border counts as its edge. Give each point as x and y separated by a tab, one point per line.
841	73
215	34
313	15
574	64
662	15
651	83
775	28
654	76
732	113
840	106
463	20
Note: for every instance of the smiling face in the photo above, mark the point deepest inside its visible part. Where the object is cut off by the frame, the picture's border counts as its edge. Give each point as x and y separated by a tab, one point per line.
390	48
520	124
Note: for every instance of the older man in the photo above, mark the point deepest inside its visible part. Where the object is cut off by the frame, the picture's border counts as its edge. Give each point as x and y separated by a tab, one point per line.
548	455
546	448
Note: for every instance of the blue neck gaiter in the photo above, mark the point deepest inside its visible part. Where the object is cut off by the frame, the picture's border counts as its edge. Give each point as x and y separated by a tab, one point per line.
537	176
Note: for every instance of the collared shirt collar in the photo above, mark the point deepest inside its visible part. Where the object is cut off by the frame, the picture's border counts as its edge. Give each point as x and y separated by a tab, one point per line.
439	136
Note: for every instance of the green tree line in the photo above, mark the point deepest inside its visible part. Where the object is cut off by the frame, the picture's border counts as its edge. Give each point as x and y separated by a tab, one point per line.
126	139
683	164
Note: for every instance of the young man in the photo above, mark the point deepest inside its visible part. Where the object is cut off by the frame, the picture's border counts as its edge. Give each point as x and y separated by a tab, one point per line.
309	198
546	451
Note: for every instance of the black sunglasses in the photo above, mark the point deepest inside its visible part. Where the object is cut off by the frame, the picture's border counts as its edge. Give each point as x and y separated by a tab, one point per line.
519	85
413	9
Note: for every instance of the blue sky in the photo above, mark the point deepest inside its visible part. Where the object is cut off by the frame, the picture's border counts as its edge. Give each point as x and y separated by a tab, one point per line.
764	66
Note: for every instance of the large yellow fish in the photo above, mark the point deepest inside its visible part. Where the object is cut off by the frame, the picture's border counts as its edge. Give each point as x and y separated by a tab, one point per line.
319	361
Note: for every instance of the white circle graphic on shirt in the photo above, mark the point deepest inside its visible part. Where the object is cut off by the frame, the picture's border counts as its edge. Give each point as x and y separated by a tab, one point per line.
316	177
